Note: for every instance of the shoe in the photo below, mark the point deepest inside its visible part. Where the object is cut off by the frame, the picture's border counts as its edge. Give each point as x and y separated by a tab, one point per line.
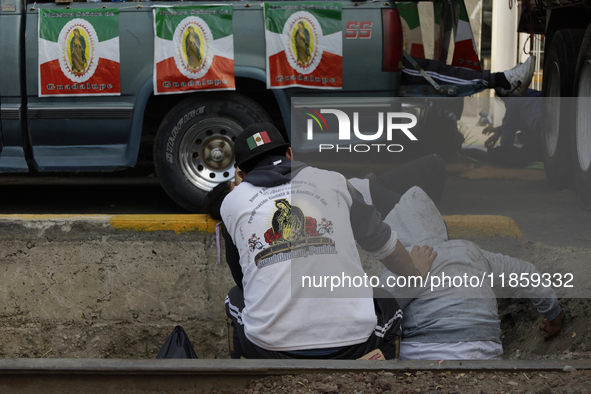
519	77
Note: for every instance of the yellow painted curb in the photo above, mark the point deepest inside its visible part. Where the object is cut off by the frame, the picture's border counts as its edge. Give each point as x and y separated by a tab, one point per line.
459	226
462	226
176	223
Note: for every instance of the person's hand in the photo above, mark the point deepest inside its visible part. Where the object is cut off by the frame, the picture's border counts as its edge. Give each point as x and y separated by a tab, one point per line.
494	136
423	258
551	327
492	140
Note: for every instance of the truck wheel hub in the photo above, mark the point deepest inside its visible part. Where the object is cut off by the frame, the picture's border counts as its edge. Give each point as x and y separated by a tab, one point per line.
218	153
206	152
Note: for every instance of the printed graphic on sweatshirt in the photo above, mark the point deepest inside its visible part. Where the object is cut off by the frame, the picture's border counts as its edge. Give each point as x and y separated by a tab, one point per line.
79	52
193	49
254	242
292	235
304	45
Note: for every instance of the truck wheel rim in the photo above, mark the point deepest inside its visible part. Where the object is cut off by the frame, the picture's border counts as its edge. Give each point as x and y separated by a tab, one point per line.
553	111
583	121
206	152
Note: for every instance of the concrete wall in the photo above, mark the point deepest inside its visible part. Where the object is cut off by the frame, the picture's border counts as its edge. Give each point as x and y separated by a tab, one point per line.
85	289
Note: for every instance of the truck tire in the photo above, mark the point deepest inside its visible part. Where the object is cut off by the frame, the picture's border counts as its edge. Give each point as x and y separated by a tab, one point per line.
582	135
559	76
194	145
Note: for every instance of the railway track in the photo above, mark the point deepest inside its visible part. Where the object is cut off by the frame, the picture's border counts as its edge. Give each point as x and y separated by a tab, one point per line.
89	376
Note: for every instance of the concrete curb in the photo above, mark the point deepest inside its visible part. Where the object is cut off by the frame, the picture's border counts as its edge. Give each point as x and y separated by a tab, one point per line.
463	226
459	226
177	223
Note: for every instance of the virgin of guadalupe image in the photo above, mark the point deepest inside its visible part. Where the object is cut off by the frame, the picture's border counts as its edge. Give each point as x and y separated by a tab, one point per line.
290	220
78	52
302	43
193	48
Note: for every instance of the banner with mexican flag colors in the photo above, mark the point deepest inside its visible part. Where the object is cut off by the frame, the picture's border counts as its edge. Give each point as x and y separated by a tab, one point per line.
465	53
193	49
412	38
79	52
304	45
443	26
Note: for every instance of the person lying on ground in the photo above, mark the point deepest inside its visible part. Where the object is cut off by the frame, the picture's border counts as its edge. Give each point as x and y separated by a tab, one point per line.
270	315
457	321
506	84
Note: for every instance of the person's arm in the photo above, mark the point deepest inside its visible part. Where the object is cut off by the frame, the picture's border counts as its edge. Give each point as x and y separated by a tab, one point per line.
543	298
214	199
375	236
232	257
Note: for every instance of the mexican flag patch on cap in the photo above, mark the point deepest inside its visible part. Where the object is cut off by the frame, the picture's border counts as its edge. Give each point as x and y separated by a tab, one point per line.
258	139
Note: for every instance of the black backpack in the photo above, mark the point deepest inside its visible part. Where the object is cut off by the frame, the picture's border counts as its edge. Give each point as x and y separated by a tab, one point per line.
177	345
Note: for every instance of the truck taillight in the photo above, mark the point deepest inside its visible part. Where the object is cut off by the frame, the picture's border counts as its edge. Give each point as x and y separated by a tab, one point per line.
392	39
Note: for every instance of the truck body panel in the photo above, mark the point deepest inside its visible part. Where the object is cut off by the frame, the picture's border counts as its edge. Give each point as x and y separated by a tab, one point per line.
103	133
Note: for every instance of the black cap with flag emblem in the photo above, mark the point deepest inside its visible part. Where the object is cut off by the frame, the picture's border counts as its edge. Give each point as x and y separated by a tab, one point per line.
256	140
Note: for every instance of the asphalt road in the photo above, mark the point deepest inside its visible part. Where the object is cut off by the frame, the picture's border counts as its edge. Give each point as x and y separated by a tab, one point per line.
544	215
84	195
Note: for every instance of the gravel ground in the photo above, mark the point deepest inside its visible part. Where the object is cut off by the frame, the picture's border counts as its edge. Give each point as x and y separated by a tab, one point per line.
426	382
521	340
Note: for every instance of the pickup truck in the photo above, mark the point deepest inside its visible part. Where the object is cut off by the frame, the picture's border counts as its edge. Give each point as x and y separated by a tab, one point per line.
566	138
191	134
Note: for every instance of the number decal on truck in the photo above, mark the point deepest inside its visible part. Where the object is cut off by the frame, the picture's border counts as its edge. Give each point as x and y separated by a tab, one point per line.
357	29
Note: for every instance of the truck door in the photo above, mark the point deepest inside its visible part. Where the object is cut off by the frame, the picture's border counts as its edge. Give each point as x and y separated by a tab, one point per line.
12	157
75	123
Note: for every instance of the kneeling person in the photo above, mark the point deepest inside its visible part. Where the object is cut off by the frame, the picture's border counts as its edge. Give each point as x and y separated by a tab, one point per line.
272	313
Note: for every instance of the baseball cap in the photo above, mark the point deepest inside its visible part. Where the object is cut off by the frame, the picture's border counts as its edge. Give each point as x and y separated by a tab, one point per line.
255	140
